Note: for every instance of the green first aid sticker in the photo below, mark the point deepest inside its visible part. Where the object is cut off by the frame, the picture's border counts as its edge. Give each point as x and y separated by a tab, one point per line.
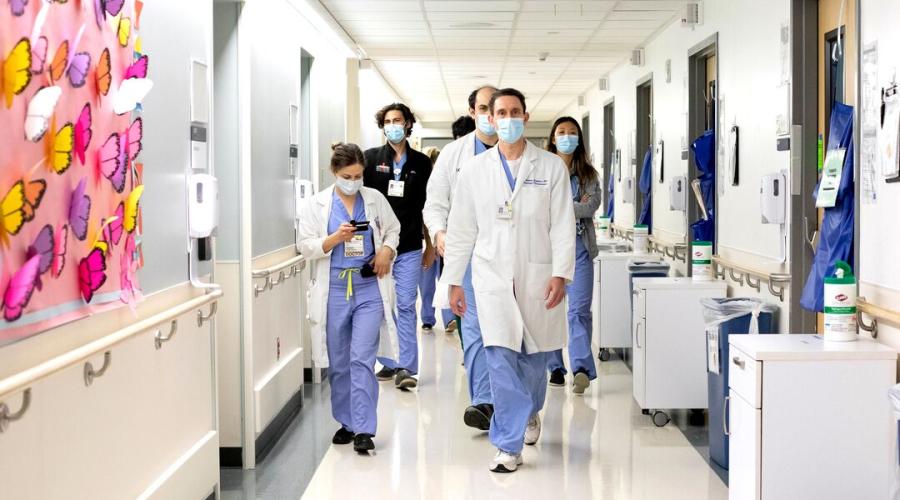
831	178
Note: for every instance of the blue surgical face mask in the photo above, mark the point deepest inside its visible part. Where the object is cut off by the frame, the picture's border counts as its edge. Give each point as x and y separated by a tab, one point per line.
510	129
566	144
347	186
484	125
395	133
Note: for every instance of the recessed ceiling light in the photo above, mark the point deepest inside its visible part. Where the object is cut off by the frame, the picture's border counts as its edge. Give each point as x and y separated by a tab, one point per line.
472	25
532	72
479	77
553	32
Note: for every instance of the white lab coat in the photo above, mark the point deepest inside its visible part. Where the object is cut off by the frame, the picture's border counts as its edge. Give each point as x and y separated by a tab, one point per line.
513	260
439	195
312	229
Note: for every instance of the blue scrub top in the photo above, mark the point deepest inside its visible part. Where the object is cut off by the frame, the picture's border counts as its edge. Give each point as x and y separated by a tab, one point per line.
398	166
339	216
576	197
480	147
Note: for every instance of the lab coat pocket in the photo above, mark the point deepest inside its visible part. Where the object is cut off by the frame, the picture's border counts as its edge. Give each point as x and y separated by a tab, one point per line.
539	251
538	278
315	304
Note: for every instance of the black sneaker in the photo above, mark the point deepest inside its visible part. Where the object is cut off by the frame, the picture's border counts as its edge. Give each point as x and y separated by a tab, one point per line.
428	328
386	374
404	380
342	436
558	378
479	416
362	443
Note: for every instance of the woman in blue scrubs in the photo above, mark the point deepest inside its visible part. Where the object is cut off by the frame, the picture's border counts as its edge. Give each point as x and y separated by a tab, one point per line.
567	141
354	230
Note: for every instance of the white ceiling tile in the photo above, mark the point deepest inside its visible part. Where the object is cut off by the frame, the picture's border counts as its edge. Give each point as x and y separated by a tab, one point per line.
471	6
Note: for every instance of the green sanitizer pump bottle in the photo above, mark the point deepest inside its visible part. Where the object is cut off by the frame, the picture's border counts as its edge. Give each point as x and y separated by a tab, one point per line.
840	304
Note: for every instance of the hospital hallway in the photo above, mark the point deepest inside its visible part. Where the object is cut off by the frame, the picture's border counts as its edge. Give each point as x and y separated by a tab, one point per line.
593	446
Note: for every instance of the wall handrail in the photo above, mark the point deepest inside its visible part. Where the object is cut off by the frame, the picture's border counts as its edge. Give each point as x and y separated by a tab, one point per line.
626	233
675	250
743	275
25	379
876	312
296	264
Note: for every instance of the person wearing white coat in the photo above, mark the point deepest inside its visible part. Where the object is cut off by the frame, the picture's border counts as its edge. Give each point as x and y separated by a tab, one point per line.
513	217
349	234
439	198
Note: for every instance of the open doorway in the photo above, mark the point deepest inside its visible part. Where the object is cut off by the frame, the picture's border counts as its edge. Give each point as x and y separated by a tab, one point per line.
306	142
703	82
609	148
643	142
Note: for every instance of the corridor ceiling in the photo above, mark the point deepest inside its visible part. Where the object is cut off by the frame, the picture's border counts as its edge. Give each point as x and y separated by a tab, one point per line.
434	52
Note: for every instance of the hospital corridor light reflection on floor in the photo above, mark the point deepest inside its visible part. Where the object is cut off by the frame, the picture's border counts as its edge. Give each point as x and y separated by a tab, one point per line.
597	446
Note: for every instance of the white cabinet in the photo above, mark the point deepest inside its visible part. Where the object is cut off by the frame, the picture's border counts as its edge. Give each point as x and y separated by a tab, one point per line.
670	343
612	300
810	419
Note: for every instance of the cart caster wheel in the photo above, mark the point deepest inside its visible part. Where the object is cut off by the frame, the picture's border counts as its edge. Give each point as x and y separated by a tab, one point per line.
604	355
660	418
645	412
697	417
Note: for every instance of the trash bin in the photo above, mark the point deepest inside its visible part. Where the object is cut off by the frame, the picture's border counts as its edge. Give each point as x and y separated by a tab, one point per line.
894	395
726	317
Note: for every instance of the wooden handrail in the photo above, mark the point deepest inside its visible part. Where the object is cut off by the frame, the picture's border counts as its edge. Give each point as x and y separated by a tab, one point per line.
25	379
297	264
777	281
293	261
877	313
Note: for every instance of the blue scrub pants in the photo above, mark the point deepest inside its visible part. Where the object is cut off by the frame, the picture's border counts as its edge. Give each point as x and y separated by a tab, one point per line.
352	333
581	293
519	382
427	286
407	271
473	348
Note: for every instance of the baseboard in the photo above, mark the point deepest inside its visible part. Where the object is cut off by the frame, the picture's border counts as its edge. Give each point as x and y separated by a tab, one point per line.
273	432
191	476
273	390
308	374
232	457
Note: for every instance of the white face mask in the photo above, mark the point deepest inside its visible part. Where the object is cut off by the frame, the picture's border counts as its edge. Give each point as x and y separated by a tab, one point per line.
349	187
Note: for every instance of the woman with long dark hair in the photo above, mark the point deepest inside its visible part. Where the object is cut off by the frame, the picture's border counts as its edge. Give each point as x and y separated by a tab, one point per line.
567	141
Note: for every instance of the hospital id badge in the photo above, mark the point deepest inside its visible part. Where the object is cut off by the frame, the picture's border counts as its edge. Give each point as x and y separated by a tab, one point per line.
355	247
396	188
504	211
831	178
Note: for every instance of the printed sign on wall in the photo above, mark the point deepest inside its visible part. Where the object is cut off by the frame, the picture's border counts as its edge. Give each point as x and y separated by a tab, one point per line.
73	77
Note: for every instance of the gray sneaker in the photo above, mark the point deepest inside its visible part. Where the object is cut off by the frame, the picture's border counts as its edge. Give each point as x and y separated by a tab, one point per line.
581	383
404	380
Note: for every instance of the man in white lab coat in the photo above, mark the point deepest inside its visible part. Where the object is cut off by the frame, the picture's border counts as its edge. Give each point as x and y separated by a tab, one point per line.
513	217
441	186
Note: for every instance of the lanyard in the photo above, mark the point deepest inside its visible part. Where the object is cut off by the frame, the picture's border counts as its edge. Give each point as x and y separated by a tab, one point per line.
576	187
509	175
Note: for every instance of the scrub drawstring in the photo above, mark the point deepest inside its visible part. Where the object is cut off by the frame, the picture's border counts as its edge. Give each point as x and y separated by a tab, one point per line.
347	274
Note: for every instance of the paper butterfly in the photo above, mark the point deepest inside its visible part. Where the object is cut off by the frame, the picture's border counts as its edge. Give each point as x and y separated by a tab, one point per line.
17	7
59	148
59	251
91	274
112	233
39	55
127	269
124	31
83	132
34	193
131	93
76	67
13	213
40	110
111	161
131	208
16	71
43	248
132	140
20	288
103	74
138	69
101	7
80	211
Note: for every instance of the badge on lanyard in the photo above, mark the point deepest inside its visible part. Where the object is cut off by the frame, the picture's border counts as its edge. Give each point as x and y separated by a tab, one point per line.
355	247
504	211
384	169
396	188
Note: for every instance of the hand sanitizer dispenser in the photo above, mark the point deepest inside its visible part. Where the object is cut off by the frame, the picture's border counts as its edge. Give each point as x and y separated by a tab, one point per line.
678	194
303	189
203	205
773	196
628	188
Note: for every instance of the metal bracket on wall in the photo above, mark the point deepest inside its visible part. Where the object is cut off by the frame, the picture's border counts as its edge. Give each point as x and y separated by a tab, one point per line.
90	374
159	339
6	416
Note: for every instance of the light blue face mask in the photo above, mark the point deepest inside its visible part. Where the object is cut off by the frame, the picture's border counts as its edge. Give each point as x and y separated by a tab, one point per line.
510	129
566	144
395	133
484	125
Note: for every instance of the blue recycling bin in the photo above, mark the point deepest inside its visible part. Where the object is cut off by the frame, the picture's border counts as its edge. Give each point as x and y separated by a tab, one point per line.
738	324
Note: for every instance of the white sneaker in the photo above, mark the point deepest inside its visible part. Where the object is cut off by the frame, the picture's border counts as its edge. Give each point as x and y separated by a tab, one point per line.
506	462
533	430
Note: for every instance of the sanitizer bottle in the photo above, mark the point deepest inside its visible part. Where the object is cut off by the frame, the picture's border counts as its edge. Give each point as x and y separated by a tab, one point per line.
840	304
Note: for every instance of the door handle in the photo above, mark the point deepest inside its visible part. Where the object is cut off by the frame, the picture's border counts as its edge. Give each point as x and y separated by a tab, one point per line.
738	362
813	240
725	416
637	338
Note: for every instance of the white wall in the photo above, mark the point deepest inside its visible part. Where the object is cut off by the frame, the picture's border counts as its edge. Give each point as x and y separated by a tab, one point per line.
749	78
879	268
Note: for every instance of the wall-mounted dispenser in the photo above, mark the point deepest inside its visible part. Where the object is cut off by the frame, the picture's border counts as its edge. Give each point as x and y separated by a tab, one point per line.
628	189
678	189
773	198
303	189
203	205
